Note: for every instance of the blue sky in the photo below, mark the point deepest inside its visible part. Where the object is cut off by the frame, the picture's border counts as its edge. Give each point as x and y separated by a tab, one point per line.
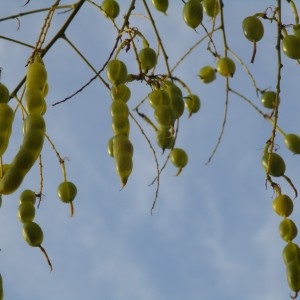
212	235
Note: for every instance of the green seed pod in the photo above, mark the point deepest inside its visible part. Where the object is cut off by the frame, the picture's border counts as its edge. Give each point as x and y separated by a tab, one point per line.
148	58
211	7
288	230
179	158
268	99
253	28
35	101
120	125
290	253
164	138
26	212
110	8
164	116
27	196
36	77
276	164
293	275
283	205
67	191
33	234
120	92
27	155
207	74
192	103
161	5
116	72
158	97
119	108
193	13
173	89
124	165
291	46
122	146
225	66
292	142
177	105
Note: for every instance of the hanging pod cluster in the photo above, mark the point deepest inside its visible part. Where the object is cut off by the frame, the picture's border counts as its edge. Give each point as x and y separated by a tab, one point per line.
283	206
168	104
31	231
34	128
120	146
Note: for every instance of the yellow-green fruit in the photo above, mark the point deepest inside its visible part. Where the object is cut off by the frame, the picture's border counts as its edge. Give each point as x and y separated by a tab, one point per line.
158	97
122	146
26	212
192	13
288	230
192	103
120	92
116	72
27	155
110	8
290	253
27	196
291	46
161	5
67	191
283	205
119	108
225	66
148	58
177	105
35	101
33	234
120	125
293	275
4	93
273	163
253	28
178	157
36	77
164	116
164	138
292	142
34	123
211	7
124	165
207	74
269	99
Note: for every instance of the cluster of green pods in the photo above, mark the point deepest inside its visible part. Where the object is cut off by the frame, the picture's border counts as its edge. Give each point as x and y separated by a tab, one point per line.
119	146
31	231
34	128
168	104
225	66
283	206
193	11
